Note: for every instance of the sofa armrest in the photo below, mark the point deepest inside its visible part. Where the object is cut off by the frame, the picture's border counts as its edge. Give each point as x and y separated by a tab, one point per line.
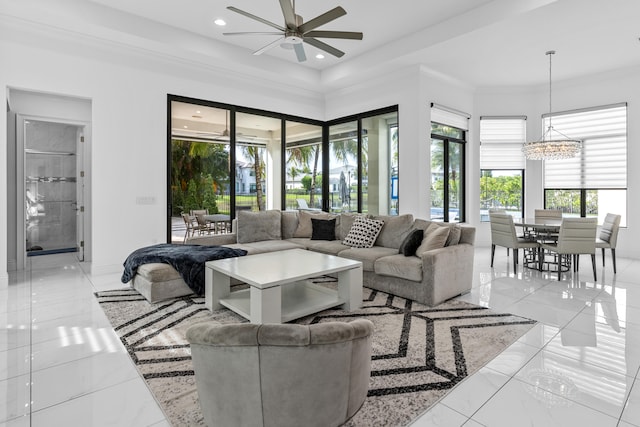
448	271
214	239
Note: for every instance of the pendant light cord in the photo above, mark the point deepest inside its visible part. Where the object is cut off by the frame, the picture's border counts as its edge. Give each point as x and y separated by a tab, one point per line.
550	53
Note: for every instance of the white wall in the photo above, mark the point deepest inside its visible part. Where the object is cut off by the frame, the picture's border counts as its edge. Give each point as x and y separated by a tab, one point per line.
129	115
413	89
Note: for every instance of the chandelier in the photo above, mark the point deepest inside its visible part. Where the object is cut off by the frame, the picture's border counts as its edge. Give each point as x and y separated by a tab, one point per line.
554	145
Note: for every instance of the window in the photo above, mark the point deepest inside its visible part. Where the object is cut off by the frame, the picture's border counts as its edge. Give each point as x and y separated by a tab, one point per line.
594	182
363	163
448	133
226	158
502	165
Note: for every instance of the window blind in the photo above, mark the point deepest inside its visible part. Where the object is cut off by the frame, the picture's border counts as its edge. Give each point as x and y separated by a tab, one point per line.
450	117
501	140
602	162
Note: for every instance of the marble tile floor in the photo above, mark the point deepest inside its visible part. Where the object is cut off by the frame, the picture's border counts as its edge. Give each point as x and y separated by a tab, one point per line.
62	364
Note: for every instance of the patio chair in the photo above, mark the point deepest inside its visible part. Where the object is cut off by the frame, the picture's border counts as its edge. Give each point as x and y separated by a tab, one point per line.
190	226
609	236
203	226
195	212
303	206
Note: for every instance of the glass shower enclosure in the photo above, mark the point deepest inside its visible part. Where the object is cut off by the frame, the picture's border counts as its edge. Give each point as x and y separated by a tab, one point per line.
50	187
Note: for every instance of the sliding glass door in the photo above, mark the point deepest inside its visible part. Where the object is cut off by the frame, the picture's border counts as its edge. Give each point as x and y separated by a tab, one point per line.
303	166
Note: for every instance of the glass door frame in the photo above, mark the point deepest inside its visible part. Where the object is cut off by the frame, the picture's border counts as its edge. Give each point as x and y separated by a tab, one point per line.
233	109
81	196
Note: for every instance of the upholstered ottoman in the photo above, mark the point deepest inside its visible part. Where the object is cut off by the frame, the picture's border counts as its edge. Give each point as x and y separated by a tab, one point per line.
158	281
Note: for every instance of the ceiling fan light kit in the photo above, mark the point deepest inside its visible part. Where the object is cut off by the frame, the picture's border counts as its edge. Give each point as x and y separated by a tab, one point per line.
295	31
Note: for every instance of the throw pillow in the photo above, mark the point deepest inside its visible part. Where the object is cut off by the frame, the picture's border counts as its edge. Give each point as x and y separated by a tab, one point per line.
258	226
454	233
396	227
304	222
434	238
363	233
323	229
411	242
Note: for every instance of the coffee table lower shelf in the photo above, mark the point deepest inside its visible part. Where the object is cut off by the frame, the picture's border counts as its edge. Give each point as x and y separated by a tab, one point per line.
297	300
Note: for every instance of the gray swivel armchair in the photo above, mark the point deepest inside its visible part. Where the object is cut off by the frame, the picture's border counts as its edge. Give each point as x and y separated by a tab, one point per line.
503	233
609	236
577	236
281	374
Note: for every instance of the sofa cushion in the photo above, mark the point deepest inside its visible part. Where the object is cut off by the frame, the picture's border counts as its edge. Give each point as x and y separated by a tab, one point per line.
395	229
157	272
363	232
289	223
333	247
435	237
304	222
323	229
401	266
411	242
273	245
245	246
367	256
258	226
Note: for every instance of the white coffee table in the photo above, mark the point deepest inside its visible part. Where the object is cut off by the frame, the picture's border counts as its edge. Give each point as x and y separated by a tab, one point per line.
278	291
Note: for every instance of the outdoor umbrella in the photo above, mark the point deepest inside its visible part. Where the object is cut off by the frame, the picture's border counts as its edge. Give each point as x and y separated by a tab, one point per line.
343	189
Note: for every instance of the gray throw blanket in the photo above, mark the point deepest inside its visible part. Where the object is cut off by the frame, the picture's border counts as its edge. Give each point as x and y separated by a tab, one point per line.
188	260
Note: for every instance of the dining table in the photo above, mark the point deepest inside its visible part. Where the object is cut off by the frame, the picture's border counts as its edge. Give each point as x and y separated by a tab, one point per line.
221	222
541	229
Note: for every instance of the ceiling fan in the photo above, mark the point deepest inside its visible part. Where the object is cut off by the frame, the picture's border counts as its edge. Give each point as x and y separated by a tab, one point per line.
295	31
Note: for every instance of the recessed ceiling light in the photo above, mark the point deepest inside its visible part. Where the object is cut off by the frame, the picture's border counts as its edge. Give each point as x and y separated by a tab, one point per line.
221	22
319	56
185	126
197	111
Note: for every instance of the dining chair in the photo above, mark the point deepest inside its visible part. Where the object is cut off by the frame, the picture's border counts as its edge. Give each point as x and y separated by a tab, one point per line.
502	211
548	213
503	233
549	235
608	237
577	236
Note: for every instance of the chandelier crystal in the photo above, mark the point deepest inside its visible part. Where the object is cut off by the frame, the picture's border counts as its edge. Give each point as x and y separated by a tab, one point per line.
554	145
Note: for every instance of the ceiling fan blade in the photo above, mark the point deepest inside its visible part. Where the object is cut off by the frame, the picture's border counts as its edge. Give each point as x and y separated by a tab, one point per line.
335	35
257	18
323	46
329	16
252	32
289	14
299	48
269	46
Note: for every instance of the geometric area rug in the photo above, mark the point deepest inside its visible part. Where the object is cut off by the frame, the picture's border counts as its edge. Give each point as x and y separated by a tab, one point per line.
419	353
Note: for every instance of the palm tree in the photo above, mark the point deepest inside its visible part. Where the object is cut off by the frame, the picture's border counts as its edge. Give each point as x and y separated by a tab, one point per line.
255	152
302	156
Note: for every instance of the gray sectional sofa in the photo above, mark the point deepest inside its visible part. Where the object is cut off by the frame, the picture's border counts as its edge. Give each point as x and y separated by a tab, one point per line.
433	276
